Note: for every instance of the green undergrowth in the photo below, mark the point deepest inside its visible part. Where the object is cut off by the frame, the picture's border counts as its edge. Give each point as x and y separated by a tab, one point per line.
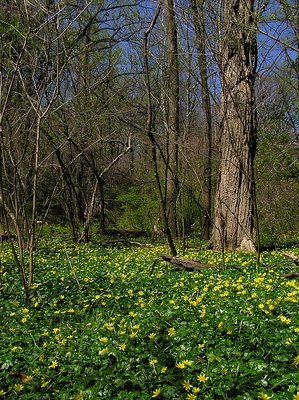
107	323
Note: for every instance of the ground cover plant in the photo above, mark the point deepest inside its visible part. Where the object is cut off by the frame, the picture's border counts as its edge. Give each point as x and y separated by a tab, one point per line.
108	323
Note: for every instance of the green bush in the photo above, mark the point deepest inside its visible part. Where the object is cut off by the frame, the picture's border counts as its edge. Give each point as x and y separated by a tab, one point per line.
140	210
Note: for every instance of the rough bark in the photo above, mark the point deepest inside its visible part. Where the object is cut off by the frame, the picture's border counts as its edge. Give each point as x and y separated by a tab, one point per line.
234	203
185	263
172	115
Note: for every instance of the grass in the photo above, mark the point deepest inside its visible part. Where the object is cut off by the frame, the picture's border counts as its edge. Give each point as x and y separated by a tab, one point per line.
110	323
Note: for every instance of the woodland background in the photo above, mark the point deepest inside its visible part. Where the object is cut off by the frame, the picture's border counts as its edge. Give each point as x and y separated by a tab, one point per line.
75	147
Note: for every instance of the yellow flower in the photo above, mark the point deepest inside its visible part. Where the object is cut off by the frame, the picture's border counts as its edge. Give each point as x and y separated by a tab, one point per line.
104	351
18	387
2	392
296	360
25	310
202	378
181	365
44	384
163	370
171	332
264	396
15	348
187	385
26	378
79	396
152	336
296	396
156	392
122	347
191	396
196	390
284	319
103	339
109	326
54	364
153	361
187	362
133	334
133	314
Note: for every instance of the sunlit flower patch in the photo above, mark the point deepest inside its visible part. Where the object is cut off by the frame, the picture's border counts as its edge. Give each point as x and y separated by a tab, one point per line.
105	324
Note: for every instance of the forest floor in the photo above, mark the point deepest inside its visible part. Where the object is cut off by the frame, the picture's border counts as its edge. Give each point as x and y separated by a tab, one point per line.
121	323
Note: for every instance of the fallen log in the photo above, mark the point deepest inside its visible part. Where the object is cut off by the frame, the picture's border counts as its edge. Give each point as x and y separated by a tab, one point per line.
185	263
291	275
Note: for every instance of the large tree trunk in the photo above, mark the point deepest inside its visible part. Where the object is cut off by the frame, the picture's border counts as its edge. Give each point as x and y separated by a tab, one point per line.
172	116
234	203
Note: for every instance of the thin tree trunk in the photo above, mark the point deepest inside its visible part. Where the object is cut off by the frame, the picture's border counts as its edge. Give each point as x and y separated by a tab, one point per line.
149	130
199	24
234	203
172	116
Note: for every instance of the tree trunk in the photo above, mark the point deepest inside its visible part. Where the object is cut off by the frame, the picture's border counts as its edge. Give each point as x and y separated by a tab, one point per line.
150	134
199	25
234	204
172	116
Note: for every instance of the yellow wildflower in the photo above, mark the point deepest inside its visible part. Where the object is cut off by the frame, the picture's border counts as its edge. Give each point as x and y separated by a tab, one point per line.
191	396
181	365
26	378
187	385
153	361
156	392
152	336
264	396
171	332
284	319
296	360
296	396
79	396
54	364
187	362
103	351
196	390
18	387
202	378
